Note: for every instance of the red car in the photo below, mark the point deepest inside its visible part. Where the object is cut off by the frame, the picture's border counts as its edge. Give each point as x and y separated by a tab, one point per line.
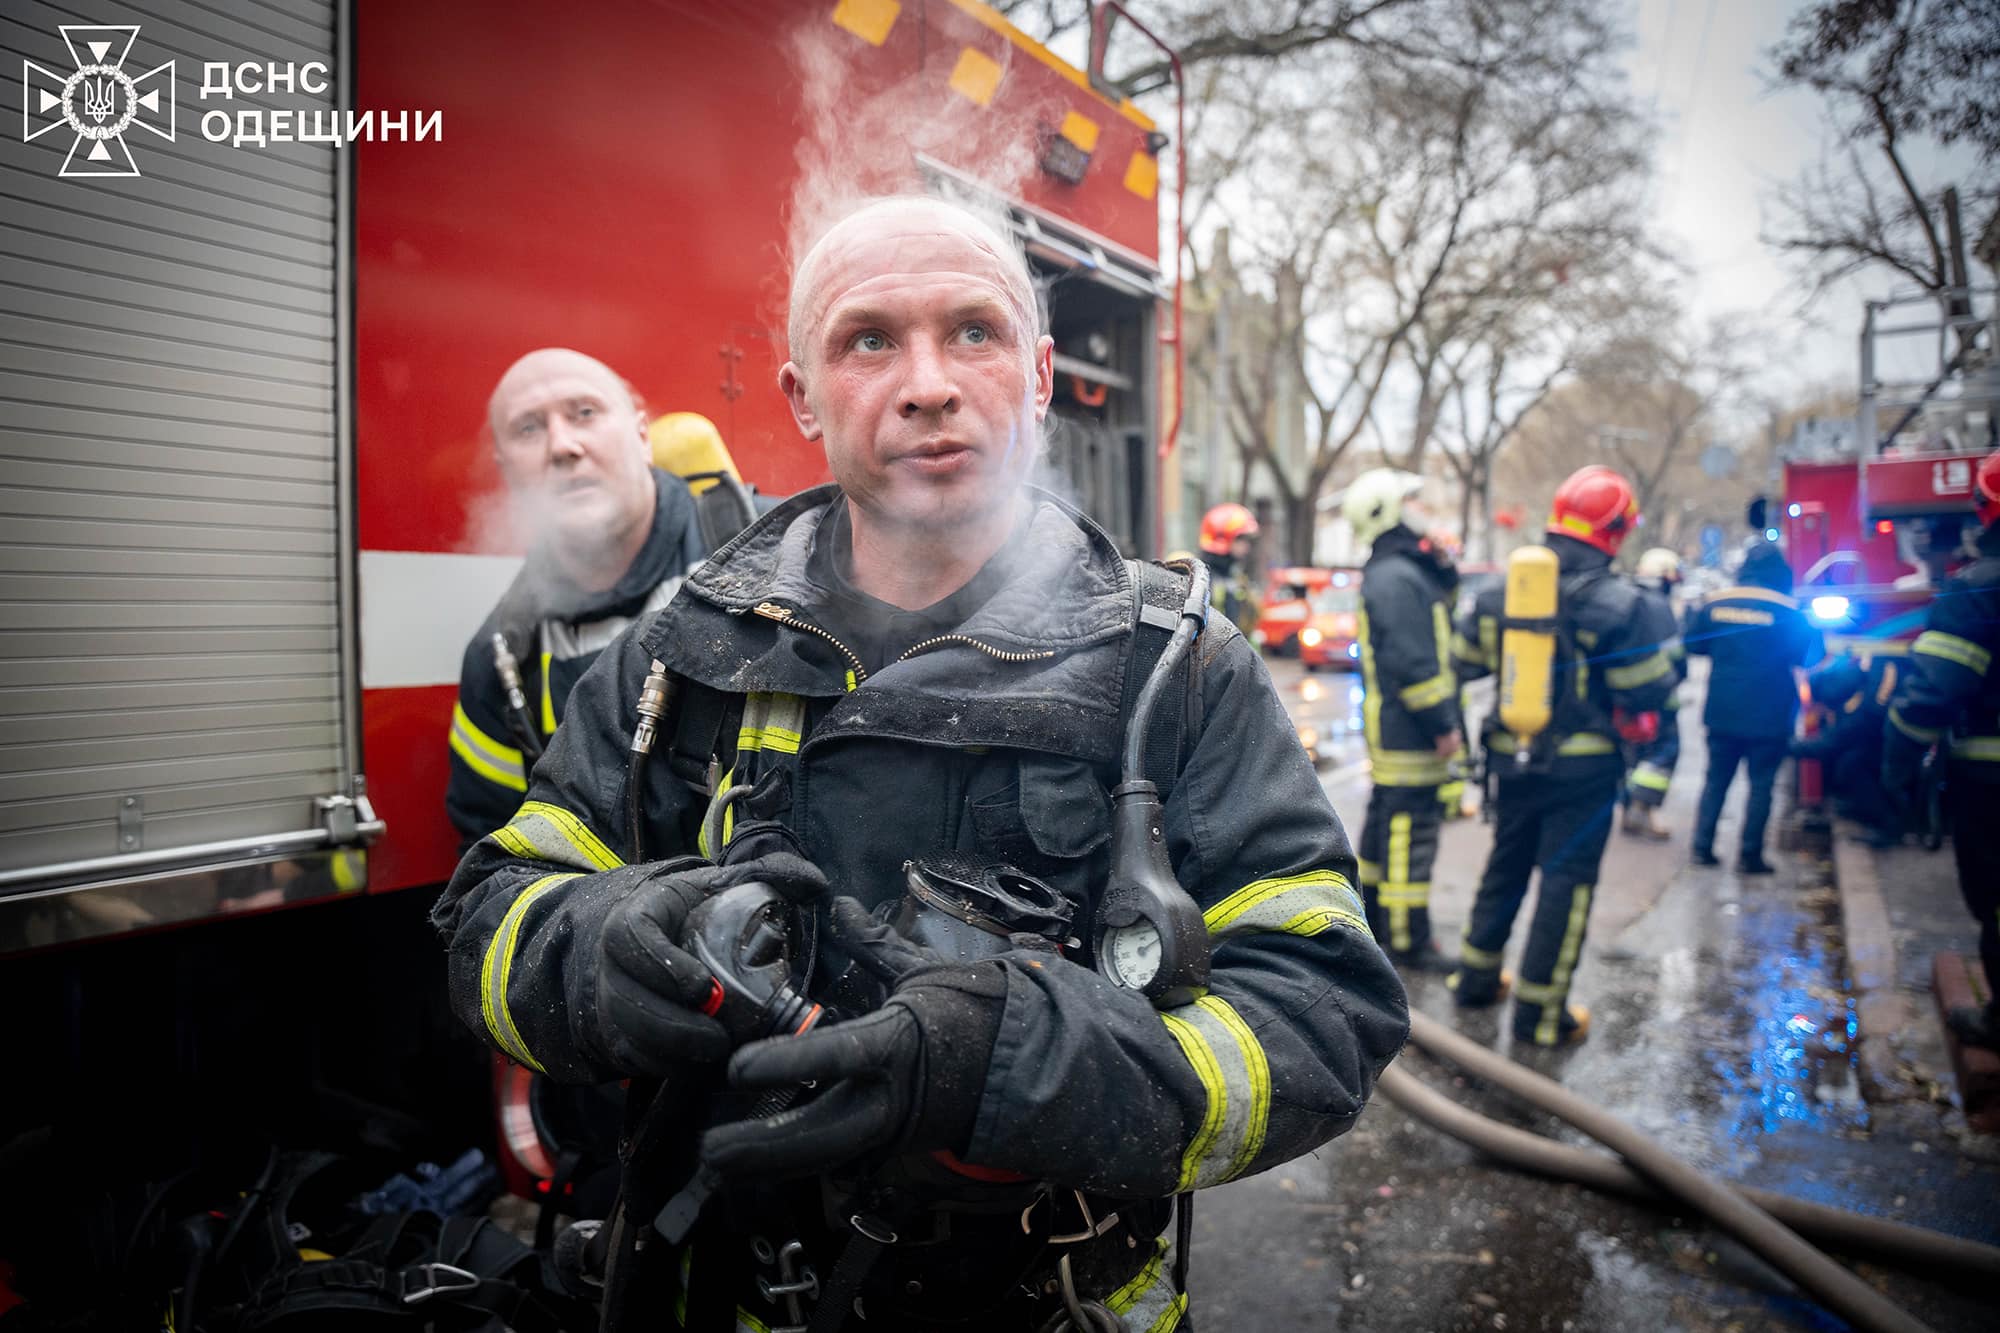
1330	636
1287	606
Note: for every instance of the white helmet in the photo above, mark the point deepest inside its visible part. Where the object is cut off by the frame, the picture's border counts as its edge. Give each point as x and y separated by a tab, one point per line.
1374	501
1660	563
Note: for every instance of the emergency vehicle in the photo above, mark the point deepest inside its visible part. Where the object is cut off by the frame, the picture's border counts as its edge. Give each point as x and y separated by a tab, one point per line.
251	519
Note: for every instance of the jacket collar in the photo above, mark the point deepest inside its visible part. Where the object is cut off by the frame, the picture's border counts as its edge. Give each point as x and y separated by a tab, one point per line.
1400	540
1576	557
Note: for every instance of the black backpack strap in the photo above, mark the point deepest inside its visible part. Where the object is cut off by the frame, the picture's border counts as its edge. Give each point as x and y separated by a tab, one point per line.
699	715
1158	593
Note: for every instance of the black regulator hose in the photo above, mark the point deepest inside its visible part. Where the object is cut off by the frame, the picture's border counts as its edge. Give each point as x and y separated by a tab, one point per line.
1873	1238
1833	1286
1194	614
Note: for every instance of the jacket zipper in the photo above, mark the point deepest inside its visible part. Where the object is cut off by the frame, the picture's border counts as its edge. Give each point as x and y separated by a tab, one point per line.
988	649
785	616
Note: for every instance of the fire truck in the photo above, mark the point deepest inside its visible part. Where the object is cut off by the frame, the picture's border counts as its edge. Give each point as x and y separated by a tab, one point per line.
250	519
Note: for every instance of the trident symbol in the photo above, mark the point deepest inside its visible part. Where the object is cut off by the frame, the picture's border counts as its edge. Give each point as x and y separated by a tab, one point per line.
97	98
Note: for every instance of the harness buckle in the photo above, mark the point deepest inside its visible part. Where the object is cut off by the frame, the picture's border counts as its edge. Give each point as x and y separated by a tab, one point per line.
424	1281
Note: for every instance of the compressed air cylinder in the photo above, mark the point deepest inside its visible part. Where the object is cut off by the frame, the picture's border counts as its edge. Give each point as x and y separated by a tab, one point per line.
1528	642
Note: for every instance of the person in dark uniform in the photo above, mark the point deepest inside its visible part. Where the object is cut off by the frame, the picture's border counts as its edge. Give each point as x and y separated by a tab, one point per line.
1409	709
1228	532
610	538
1653	761
1950	695
1755	638
1553	808
1853	695
921	663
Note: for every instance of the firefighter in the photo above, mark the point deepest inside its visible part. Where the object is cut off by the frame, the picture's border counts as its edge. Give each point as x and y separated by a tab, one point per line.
1611	676
611	537
1853	695
925	657
1950	695
1228	532
1409	708
1755	638
1653	762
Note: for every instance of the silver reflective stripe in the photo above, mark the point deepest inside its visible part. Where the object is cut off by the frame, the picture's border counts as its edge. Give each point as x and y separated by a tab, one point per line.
564	639
1294	904
1149	1303
543	832
1226	1057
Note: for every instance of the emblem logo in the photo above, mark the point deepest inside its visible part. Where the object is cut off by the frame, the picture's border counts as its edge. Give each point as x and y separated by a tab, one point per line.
99	101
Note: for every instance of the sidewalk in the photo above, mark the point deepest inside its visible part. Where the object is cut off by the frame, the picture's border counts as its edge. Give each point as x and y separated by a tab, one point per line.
1898	908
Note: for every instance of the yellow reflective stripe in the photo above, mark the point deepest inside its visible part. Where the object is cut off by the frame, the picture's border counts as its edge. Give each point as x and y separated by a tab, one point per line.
1428	693
1651	777
497	763
1489	639
1749	594
1887	689
1407	768
1642	672
1147	1303
701	835
1464	649
1984	748
1473	956
1398	874
772	722
496	970
1370	871
548	697
1583	743
1921	735
1293	904
350	870
1226	1057
1936	643
1553	1000
1371	696
550	833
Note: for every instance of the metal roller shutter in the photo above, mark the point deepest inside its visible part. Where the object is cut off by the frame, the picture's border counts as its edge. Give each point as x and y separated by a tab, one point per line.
170	629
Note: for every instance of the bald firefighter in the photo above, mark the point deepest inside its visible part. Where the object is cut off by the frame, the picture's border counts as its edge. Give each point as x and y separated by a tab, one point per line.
1950	696
1409	710
1556	789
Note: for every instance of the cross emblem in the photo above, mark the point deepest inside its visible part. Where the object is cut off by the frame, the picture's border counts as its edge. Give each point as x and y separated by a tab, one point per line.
98	101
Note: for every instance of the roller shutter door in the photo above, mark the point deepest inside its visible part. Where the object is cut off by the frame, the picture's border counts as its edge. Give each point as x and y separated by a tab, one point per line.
169	627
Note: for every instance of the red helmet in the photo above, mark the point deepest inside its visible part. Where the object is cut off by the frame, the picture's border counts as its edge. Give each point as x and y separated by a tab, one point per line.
1222	525
1596	506
1986	492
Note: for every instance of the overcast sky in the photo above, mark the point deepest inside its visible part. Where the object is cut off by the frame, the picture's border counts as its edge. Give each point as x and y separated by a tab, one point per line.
1726	141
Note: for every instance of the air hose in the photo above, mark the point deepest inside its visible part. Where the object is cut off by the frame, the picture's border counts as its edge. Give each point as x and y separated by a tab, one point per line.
1833	1286
1876	1238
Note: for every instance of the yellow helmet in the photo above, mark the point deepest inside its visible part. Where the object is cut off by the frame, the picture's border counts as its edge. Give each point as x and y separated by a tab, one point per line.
1374	501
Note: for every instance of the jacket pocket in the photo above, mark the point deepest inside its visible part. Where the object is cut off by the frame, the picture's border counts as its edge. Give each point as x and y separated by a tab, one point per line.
1052	820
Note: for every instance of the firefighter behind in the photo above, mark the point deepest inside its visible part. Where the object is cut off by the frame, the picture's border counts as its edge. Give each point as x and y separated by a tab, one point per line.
1853	696
1556	789
1228	533
1409	708
921	664
1652	768
1755	638
1950	696
610	538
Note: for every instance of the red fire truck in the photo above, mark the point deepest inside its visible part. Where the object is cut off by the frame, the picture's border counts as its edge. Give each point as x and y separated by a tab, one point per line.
248	520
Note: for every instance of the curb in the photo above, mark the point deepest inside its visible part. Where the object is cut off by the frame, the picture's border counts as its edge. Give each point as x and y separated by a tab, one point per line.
1880	1009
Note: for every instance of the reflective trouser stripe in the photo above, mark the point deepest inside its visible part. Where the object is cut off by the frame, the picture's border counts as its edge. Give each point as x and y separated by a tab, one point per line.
1650	776
1582	743
543	832
1407	768
1226	1058
1398	893
1642	672
1473	956
498	967
497	763
1553	995
1936	643
548	697
1984	748
1293	905
1149	1303
1921	735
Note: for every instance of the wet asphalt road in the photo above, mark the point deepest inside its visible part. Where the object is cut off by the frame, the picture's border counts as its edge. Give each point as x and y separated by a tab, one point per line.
1722	1025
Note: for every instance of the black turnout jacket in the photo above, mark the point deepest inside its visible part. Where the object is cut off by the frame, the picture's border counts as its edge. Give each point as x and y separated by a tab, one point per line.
1001	739
1411	694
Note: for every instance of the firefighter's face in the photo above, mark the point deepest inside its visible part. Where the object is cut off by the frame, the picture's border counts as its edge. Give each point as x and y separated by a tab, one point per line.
572	446
919	369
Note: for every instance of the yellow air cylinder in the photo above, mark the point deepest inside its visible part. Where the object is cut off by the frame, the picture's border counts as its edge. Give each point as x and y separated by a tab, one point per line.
687	444
1528	643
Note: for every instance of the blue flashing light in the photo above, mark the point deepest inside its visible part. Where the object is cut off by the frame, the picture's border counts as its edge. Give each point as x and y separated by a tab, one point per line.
1793	509
1829	609
1770	534
1354	650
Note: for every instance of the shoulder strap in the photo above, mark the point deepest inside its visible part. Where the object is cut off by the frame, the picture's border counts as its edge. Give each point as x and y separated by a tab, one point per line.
1158	592
699	714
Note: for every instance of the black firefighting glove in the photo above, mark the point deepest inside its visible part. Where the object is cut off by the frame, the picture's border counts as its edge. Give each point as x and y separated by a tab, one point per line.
642	1002
909	1075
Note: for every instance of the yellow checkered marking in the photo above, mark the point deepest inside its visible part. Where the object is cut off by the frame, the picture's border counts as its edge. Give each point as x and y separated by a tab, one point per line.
1142	174
1080	130
870	20
976	76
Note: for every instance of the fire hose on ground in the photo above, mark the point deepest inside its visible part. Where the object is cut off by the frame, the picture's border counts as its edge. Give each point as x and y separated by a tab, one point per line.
1768	1224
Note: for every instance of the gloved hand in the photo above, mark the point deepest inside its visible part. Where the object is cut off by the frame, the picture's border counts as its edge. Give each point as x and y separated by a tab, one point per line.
643	1000
909	1075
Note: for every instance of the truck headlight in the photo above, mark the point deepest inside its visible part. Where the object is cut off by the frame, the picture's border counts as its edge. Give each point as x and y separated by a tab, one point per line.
1310	637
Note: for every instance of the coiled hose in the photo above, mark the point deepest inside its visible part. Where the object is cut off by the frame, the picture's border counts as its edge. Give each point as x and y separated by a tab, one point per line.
1833	1286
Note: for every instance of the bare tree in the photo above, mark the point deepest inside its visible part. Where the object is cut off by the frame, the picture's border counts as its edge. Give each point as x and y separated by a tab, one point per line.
1893	73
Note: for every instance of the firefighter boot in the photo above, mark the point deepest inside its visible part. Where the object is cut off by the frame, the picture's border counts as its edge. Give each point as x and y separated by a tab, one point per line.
1643	821
1478	987
1532	1024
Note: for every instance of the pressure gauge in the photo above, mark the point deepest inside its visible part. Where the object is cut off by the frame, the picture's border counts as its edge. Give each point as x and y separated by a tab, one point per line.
1132	954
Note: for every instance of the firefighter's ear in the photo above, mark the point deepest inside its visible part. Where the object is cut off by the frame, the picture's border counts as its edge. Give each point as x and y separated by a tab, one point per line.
1045	375
793	385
